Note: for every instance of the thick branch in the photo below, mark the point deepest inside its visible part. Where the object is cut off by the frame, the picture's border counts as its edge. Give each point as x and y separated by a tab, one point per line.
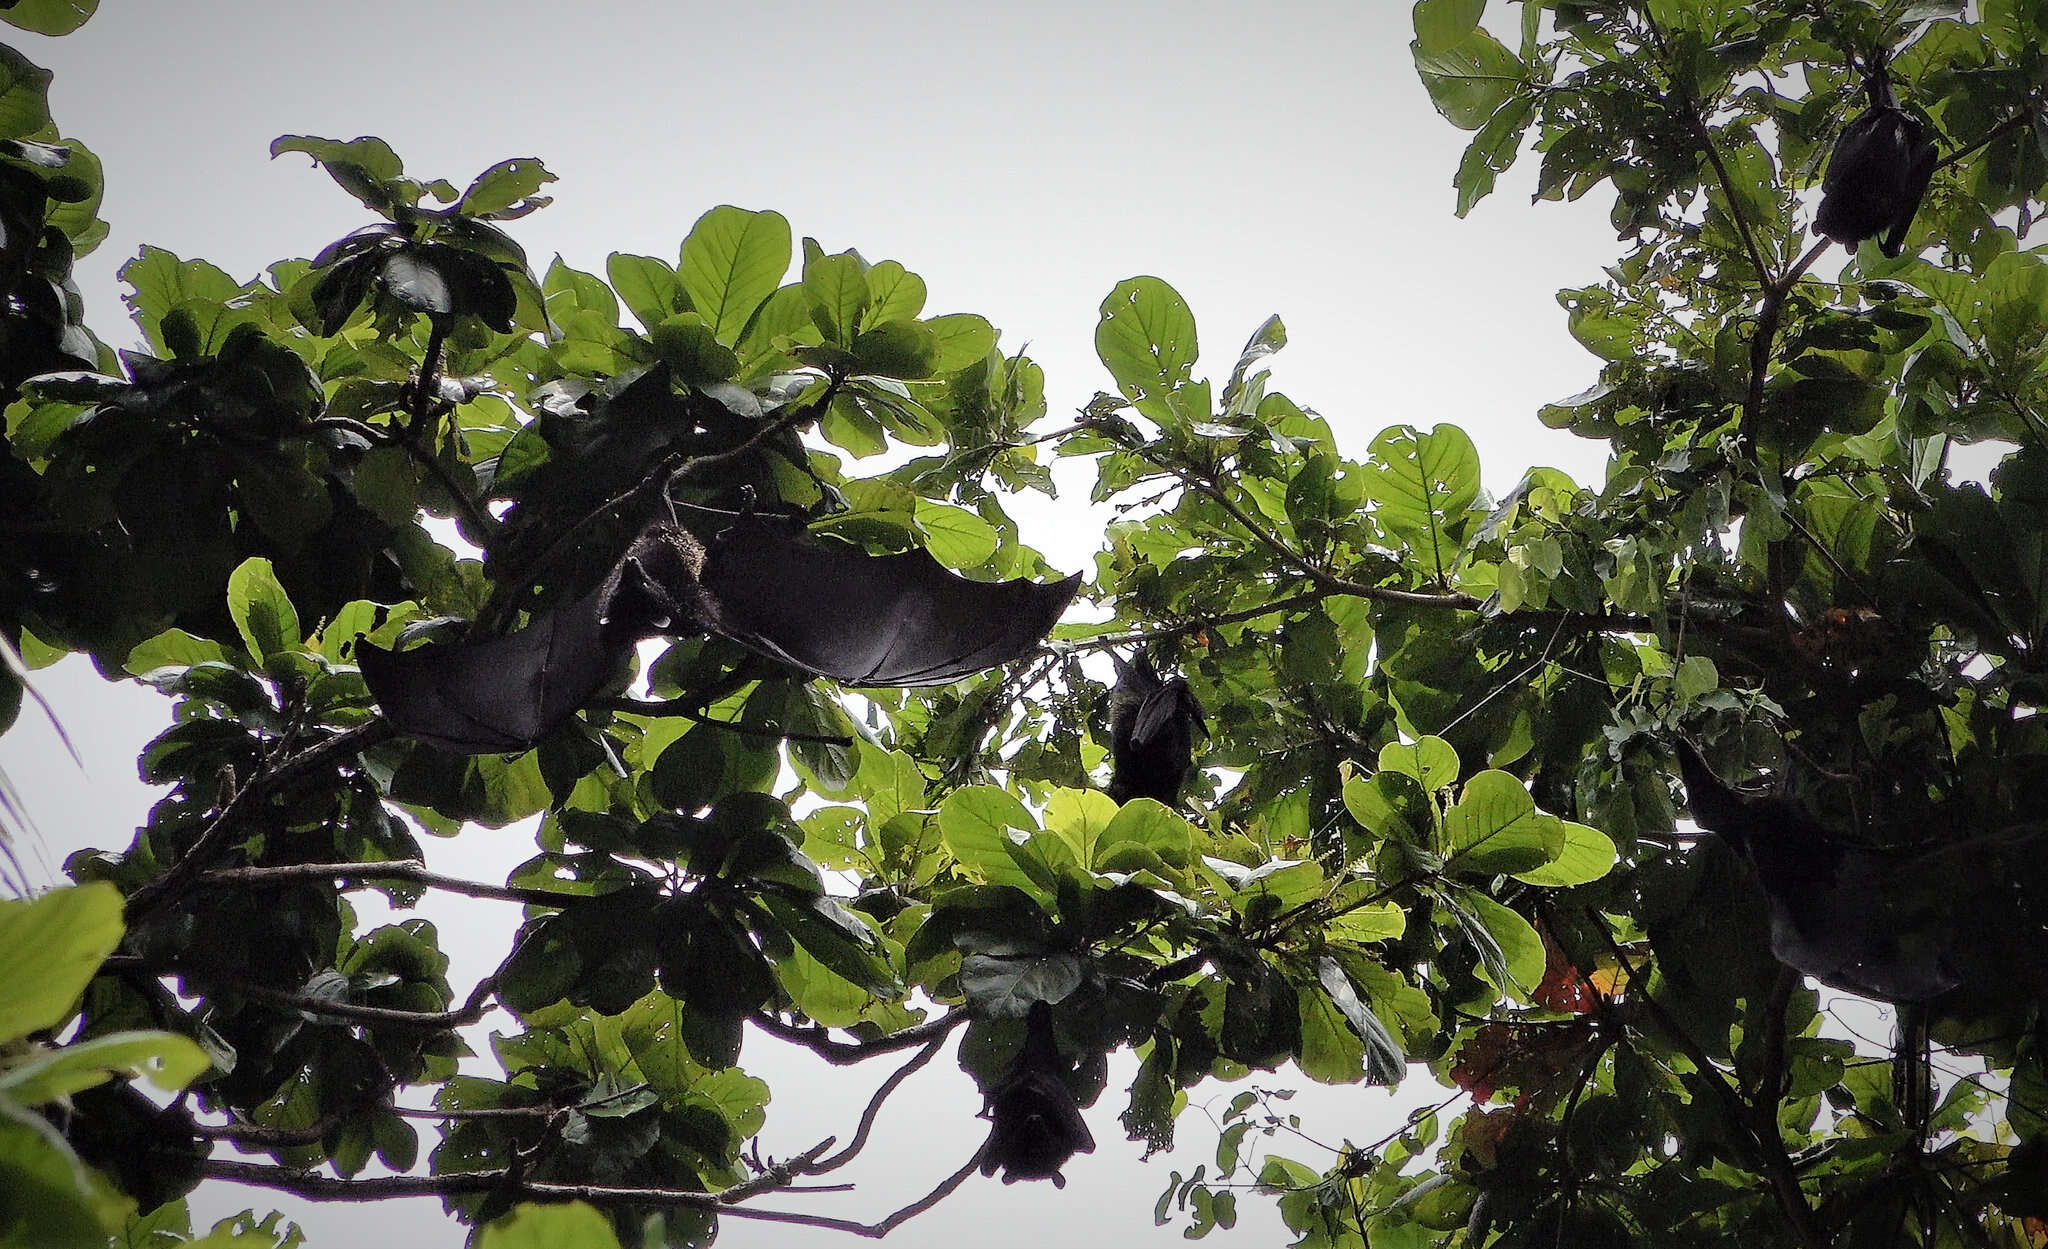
468	1013
328	1188
266	784
1762	346
845	1053
411	870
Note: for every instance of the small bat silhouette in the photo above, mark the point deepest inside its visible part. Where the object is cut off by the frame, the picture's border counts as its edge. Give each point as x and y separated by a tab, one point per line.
827	608
1152	725
1878	173
1036	1126
1834	908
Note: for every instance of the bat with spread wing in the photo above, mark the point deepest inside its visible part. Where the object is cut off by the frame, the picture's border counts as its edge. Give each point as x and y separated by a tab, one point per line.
827	608
1152	724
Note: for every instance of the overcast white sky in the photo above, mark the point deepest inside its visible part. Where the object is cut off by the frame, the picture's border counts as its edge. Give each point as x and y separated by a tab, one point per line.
1022	159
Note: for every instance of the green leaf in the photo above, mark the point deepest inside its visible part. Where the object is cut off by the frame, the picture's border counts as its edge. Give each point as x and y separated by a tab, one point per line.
160	281
902	349
49	17
821	993
1443	24
692	349
50	949
1432	761
365	167
1586	856
1080	817
1146	339
731	262
955	536
975	824
963	339
1422	485
1331	1050
572	1225
896	292
1469	79
173	648
1385	1061
1146	825
647	286
1004	985
838	290
166	1059
504	185
51	1200
268	623
1269	338
1382	921
24	95
1495	827
1511	954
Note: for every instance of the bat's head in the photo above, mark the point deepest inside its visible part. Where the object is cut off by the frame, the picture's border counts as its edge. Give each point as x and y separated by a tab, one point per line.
1138	675
655	585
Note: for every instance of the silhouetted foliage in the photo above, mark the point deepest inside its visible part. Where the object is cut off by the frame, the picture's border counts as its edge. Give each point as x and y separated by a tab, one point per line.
1434	829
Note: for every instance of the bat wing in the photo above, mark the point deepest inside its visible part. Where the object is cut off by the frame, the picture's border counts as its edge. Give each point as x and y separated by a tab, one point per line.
889	620
1173	703
500	694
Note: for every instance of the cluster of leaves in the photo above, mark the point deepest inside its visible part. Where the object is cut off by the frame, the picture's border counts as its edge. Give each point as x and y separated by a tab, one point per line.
1436	825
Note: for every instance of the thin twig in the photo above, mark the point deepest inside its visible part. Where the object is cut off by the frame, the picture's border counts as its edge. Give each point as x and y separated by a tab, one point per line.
688	709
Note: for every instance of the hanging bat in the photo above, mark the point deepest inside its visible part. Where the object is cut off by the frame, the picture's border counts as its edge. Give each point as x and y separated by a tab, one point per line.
1152	727
1878	173
826	608
1837	911
1037	1126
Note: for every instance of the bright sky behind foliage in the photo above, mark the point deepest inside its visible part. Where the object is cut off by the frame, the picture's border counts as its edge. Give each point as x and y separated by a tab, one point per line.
1022	159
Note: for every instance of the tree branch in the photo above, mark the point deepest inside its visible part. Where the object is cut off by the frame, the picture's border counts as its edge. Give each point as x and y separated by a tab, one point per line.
411	870
272	779
327	1188
874	1110
1331	583
676	466
1307	598
468	1013
1769	1146
845	1053
1694	116
688	709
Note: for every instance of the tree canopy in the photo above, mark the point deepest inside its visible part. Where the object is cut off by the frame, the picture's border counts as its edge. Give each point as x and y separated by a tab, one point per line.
1435	817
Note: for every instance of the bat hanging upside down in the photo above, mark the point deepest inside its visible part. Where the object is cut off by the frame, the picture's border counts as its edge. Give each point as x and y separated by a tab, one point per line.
827	608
